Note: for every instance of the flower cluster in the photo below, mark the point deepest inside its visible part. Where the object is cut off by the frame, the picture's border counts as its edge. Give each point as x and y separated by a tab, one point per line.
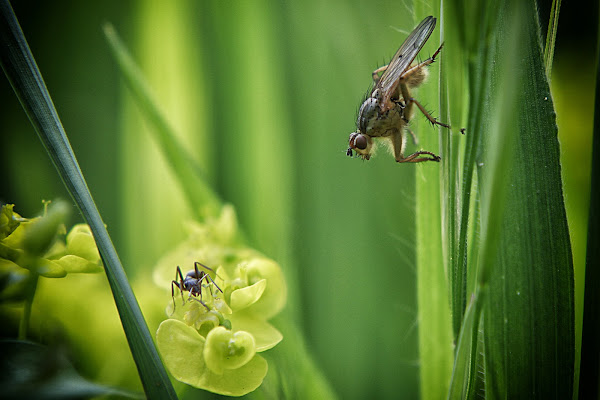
42	246
212	337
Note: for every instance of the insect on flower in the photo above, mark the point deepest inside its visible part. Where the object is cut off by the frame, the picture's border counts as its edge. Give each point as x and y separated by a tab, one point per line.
388	109
192	283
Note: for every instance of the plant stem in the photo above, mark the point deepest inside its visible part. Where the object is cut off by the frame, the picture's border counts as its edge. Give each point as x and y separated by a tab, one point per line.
31	288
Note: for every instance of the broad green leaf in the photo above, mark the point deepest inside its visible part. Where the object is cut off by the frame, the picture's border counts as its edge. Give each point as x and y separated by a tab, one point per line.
516	262
525	257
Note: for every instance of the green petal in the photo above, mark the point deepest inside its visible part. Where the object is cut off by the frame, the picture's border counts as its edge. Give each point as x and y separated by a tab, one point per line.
41	232
182	351
221	306
265	334
227	350
80	242
247	296
46	268
9	220
8	252
275	294
75	264
225	228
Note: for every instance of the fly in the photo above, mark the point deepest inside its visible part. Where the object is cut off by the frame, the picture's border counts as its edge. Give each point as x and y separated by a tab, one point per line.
388	109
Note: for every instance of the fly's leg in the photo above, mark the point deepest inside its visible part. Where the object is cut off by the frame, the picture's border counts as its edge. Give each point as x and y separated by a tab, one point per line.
399	141
414	158
375	74
409	101
416	69
431	119
412	70
414	137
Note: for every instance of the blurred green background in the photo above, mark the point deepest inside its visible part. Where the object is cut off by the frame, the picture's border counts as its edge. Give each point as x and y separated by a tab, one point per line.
264	94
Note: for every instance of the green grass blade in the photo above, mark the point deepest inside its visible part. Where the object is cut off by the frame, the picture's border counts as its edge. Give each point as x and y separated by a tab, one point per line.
464	373
589	371
520	270
435	333
22	72
465	380
193	184
551	37
525	258
474	42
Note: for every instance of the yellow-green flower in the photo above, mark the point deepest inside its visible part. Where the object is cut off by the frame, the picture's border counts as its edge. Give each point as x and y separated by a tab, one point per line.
213	336
39	244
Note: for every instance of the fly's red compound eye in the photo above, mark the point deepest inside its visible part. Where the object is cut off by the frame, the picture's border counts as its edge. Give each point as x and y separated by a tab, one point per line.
360	142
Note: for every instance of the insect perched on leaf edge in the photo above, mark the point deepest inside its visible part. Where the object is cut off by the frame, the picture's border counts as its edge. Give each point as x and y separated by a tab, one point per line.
388	109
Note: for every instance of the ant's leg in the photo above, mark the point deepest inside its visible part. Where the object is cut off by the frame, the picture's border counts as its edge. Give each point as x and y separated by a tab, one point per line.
173	293
180	285
208	275
196	263
196	269
213	282
201	302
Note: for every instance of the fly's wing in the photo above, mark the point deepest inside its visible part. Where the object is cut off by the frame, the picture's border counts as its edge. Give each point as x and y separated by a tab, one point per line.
404	57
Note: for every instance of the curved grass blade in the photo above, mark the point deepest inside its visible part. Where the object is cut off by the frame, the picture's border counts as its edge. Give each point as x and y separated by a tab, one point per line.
25	78
197	191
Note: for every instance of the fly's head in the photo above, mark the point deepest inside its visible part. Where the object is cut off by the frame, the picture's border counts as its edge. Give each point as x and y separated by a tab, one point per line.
361	143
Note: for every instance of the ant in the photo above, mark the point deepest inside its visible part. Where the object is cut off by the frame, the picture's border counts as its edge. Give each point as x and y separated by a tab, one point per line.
192	283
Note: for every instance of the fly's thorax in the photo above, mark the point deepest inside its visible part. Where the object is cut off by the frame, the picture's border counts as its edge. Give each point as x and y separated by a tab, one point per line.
368	113
387	123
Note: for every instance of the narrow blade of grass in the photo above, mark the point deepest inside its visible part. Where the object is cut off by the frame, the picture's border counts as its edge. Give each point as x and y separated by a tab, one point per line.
474	42
435	333
22	72
197	191
589	367
551	37
464	373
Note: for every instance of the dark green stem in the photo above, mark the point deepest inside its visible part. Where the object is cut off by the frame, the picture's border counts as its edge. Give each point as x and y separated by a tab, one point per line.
26	318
